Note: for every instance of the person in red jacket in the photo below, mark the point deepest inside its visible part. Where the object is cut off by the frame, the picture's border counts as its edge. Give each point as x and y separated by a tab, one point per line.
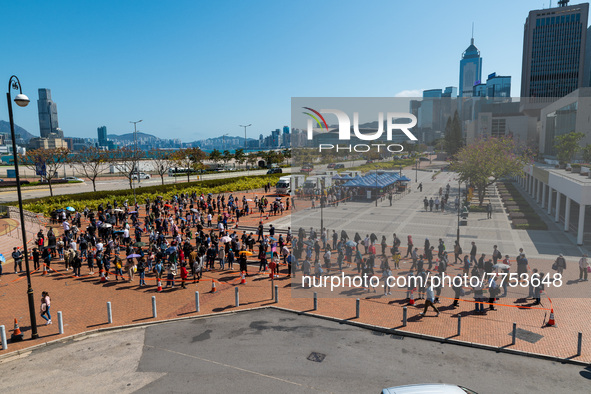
183	275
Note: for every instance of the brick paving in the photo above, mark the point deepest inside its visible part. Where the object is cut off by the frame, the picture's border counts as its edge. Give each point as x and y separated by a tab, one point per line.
83	303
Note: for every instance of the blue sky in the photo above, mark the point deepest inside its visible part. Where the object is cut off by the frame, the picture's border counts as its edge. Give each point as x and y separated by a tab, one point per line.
196	69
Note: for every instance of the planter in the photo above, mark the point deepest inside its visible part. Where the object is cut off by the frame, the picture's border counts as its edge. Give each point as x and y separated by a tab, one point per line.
562	166
576	170
584	170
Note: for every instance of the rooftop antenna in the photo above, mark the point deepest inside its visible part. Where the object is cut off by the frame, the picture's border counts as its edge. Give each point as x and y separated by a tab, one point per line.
563	3
472	39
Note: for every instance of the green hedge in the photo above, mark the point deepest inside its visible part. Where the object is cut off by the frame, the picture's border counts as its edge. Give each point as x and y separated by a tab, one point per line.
92	200
522	214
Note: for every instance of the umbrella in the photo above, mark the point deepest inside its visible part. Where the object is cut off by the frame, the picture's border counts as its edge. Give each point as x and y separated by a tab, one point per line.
501	266
245	252
106	225
2	258
132	212
118	232
70	209
226	239
278	198
273	238
168	205
160	197
183	219
59	210
351	244
139	244
209	194
309	243
117	210
170	250
132	256
194	210
248	199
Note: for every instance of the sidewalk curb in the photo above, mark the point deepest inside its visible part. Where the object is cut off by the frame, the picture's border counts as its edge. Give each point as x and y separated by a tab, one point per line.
365	326
437	339
28	350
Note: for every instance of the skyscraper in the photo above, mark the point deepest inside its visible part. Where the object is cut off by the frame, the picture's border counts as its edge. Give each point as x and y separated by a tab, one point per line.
554	42
47	110
470	70
102	135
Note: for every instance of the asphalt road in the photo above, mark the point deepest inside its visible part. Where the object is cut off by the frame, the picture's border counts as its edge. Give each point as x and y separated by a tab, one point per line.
269	351
114	184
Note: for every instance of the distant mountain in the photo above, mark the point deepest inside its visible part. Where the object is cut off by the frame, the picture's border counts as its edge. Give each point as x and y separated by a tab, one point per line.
5	129
129	136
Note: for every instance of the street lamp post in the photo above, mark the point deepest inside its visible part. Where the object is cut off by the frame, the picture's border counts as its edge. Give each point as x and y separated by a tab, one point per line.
322	206
416	170
459	208
245	126
135	161
22	101
377	191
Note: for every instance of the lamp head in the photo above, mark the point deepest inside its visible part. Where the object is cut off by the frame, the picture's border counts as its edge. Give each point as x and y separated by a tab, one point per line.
21	100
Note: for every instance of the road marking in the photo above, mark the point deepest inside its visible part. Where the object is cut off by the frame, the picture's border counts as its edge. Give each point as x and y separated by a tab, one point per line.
233	367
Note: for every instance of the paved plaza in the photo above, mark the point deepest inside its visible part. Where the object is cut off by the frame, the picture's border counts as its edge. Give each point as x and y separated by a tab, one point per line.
83	300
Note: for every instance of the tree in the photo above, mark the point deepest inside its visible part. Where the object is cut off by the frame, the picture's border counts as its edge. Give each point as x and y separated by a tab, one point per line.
239	156
567	146
126	160
215	156
286	154
162	162
587	154
252	159
226	157
93	161
453	135
485	161
51	159
189	158
270	157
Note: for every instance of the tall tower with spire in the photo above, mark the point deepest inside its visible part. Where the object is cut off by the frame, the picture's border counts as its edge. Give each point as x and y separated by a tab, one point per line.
470	69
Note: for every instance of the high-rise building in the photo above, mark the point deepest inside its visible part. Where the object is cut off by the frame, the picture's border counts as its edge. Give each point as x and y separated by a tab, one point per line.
496	86
102	135
47	110
554	46
470	70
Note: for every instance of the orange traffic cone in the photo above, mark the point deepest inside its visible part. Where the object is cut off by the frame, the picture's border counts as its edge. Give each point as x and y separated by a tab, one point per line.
412	298
242	278
159	289
213	289
103	278
17	335
551	321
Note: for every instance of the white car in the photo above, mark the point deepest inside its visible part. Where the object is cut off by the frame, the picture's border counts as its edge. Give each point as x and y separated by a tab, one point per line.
72	179
143	175
428	389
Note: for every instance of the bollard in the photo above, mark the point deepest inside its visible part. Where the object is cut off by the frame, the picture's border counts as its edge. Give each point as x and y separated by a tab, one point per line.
236	297
276	294
315	301
3	338
404	316
197	306
60	322
109	313
514	333
357	308
459	325
154	314
579	343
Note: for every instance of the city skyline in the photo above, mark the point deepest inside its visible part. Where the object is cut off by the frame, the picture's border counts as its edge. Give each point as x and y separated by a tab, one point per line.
178	78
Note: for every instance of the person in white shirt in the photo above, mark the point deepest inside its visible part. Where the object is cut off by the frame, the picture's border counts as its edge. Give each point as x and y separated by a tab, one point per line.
430	300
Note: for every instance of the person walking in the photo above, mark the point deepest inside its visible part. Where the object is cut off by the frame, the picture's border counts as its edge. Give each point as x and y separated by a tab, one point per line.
583	268
489	211
141	270
458	290
45	306
560	264
430	300
386	273
493	290
184	275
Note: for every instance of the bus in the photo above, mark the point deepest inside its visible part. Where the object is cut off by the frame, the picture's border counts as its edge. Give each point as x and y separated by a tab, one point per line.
176	171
